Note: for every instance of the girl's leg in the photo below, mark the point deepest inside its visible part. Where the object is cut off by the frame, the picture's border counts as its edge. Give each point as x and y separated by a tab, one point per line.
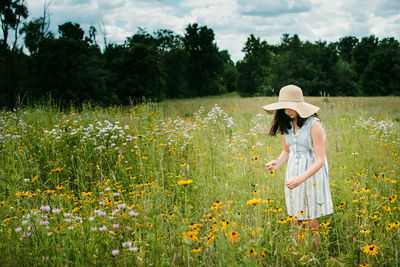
297	225
314	224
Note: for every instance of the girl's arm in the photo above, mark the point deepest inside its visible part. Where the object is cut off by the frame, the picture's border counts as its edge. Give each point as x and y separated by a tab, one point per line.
317	135
283	157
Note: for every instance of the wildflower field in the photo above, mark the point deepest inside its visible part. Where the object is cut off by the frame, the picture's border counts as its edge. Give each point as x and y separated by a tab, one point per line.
184	183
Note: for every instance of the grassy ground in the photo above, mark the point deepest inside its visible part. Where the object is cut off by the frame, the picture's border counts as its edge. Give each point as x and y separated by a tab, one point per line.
183	182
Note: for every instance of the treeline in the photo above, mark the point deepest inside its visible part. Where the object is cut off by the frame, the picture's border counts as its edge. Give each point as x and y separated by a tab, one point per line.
71	68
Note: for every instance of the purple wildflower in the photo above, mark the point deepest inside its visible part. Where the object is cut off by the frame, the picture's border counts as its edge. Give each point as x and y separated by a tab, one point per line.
126	244
45	222
133	213
45	208
56	211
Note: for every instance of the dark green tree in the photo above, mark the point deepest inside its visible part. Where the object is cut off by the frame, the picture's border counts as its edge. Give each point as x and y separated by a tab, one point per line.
204	65
345	47
141	75
13	62
112	57
11	13
362	53
381	75
254	70
71	30
140	70
290	65
230	73
174	60
35	31
69	69
346	80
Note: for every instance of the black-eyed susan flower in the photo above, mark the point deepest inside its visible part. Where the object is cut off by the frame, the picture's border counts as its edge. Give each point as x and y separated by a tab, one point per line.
196	250
184	182
251	252
371	250
341	205
263	255
389	226
254	201
210	239
375	217
282	221
365	231
301	236
233	236
325	224
290	218
58	169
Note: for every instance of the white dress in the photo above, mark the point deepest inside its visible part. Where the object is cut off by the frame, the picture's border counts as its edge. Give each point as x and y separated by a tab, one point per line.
312	198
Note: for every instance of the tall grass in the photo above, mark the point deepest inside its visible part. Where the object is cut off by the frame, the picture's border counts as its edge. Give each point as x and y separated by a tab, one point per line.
183	183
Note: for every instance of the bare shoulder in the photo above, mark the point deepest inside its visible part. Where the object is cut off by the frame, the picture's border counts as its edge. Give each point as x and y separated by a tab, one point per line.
316	128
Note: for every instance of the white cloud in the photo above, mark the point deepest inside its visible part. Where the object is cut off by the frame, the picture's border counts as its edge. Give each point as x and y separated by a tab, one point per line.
273	7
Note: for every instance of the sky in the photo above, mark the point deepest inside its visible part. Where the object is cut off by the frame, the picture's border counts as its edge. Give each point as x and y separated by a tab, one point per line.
231	20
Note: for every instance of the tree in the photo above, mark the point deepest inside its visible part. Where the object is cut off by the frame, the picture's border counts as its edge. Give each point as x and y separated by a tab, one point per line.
362	53
204	64
112	57
69	68
34	32
140	75
290	65
230	73
320	60
11	12
346	80
381	75
141	37
92	35
70	30
254	69
174	60
308	65
345	47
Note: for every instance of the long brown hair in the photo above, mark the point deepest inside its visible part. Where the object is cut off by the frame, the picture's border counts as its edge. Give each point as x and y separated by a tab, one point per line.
281	123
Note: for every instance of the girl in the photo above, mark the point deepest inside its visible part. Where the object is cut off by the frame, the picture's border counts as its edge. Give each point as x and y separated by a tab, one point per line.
307	192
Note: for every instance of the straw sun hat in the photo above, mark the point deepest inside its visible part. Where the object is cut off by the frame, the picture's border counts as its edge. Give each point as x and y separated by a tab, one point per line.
291	96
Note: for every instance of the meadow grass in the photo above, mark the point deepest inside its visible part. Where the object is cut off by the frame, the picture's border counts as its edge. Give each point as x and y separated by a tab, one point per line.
183	182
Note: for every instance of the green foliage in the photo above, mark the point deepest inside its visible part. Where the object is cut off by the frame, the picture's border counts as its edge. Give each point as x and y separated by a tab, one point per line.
69	70
204	65
72	69
254	70
71	30
145	185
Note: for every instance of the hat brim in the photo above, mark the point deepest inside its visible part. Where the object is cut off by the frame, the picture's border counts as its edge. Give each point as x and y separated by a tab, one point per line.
304	109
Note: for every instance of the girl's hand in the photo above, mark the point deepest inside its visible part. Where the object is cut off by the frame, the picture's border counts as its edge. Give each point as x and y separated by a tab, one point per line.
293	182
272	165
